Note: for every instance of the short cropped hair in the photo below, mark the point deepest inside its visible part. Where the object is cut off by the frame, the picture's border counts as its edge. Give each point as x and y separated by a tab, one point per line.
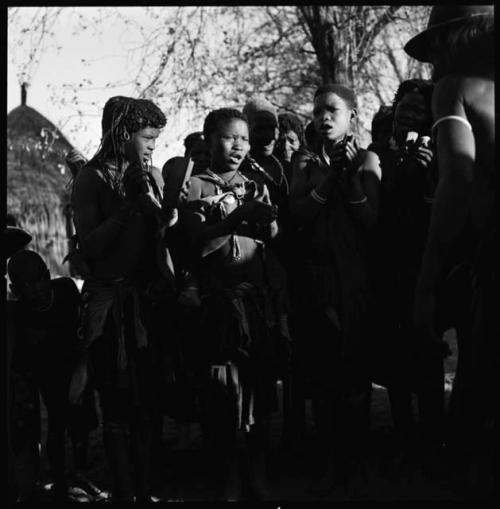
191	139
343	91
216	117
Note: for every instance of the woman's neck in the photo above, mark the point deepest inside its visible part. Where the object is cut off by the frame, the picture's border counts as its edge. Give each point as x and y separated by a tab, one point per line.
223	171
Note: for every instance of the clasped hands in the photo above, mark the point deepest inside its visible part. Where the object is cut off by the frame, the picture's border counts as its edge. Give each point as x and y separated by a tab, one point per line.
348	156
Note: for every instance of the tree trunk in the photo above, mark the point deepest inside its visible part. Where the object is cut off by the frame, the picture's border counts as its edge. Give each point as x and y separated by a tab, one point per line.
328	42
342	36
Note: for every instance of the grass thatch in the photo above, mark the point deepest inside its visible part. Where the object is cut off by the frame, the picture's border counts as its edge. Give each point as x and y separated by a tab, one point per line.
36	186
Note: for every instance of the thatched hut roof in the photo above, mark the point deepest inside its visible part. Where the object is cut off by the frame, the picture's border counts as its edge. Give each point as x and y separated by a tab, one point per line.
37	180
36	149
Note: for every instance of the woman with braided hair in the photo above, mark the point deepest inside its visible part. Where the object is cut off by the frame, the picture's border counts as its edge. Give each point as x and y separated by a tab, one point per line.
117	214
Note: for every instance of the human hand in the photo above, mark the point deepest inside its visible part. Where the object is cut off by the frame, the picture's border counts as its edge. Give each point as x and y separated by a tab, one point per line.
348	156
256	211
135	181
139	191
423	156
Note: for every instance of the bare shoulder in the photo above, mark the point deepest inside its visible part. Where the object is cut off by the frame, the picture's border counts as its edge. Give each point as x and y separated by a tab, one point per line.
455	89
471	97
192	190
371	163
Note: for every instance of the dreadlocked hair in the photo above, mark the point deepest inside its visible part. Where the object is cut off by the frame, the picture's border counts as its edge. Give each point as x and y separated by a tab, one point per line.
121	118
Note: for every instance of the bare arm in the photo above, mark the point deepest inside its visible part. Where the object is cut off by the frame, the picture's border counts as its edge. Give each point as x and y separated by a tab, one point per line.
271	229
95	234
302	205
362	190
456	152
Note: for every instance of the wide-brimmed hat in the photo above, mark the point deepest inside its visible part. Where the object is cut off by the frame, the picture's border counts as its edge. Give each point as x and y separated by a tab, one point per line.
443	16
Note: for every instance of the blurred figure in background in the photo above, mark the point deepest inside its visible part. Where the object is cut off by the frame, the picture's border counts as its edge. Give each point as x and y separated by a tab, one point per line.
290	139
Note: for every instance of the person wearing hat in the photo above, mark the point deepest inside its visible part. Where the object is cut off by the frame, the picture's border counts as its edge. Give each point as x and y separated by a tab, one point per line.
459	42
264	133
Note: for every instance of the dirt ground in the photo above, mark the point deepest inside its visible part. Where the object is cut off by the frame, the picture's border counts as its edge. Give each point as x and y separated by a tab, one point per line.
180	474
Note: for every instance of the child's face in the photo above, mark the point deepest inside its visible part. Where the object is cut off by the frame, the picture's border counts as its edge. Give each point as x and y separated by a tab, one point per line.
288	143
33	287
141	145
264	133
229	145
412	114
332	117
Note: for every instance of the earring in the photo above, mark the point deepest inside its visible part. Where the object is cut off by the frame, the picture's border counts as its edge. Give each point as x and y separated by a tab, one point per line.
126	135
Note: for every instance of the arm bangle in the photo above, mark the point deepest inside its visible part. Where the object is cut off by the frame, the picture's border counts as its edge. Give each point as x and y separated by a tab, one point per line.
358	202
317	198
